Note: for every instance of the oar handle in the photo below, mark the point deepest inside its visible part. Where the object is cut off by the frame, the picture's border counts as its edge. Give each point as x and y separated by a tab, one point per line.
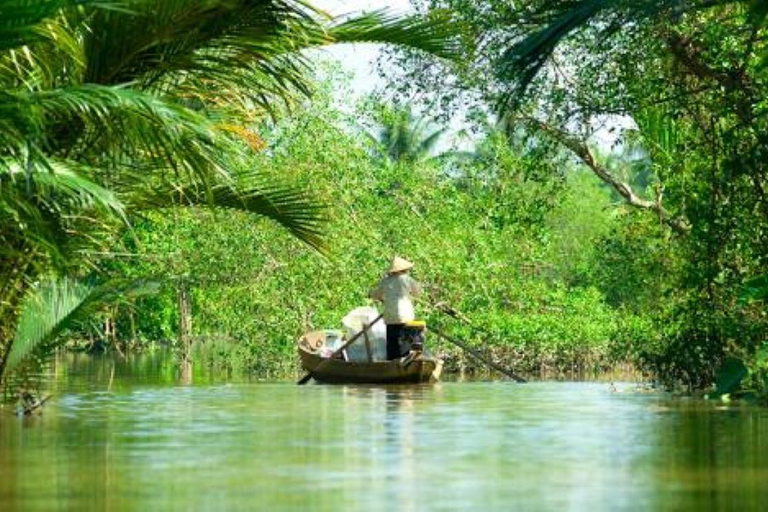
477	355
354	338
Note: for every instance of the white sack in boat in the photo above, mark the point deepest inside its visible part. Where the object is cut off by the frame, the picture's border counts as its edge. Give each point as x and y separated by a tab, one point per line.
353	323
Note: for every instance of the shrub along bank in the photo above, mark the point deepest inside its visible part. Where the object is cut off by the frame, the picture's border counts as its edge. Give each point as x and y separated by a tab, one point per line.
510	241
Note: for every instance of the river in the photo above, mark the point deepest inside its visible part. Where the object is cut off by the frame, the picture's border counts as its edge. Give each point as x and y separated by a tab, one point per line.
125	436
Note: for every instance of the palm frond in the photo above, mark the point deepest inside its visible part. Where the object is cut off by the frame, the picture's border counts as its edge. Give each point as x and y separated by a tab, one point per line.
93	94
62	180
205	50
41	208
110	124
427	144
525	58
436	35
404	136
289	206
20	20
45	312
557	20
57	304
659	132
53	57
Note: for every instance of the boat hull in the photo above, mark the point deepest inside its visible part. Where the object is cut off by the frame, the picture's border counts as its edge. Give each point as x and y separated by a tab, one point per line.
407	370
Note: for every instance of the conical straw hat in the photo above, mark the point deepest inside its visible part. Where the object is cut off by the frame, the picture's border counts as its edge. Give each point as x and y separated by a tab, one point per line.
399	265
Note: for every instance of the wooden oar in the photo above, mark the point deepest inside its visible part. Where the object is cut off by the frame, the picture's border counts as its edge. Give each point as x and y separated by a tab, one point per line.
444	308
462	345
354	338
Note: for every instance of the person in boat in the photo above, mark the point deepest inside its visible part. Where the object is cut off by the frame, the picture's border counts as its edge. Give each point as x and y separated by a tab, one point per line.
395	291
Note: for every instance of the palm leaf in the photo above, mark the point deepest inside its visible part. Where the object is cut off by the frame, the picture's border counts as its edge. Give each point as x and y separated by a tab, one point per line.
163	136
659	132
427	144
403	136
559	19
43	208
251	46
62	179
51	58
196	49
167	36
127	93
524	59
291	207
57	304
113	125
20	20
437	35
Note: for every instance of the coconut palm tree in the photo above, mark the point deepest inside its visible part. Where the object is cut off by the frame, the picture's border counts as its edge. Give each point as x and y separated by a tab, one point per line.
403	137
110	109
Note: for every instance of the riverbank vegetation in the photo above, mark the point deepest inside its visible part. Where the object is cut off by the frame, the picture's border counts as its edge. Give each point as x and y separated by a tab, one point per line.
680	85
496	238
609	209
111	111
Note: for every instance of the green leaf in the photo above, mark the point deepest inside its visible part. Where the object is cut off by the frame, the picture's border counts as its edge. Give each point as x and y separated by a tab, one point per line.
756	289
761	356
436	35
56	304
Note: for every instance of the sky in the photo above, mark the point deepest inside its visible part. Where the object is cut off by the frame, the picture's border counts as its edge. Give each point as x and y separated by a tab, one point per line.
359	59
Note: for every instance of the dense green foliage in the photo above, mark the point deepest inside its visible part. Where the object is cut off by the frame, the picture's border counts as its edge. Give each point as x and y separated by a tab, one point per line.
613	208
501	238
113	110
683	86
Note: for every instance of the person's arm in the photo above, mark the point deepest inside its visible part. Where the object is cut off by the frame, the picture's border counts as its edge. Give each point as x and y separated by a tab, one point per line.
415	288
377	293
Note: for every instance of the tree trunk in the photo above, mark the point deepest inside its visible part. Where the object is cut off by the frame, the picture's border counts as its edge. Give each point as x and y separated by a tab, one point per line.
185	319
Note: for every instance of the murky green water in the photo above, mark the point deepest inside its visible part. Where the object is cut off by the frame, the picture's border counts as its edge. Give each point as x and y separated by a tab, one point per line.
125	437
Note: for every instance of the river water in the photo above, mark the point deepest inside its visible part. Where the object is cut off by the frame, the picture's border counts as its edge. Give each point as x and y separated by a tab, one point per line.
125	436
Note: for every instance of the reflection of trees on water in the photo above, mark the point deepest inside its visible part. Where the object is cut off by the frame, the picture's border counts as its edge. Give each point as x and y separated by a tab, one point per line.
400	435
479	446
715	457
383	454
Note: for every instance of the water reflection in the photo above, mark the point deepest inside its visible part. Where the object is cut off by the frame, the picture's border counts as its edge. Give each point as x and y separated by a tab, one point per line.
119	438
400	434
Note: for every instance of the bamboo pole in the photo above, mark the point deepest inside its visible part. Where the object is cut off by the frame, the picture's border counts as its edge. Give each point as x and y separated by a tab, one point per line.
462	345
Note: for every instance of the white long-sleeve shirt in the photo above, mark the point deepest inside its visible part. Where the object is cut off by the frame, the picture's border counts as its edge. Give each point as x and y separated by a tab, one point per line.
396	291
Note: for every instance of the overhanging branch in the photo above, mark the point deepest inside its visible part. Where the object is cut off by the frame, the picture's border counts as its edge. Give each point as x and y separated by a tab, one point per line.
582	150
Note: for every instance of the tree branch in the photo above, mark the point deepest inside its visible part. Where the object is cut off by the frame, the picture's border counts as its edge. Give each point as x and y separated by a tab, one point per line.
689	54
580	148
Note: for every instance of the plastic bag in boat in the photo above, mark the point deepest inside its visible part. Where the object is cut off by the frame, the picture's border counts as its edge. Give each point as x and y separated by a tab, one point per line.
332	342
377	334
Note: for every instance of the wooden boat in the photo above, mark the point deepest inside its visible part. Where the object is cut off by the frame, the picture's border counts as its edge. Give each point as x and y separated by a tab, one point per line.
413	368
